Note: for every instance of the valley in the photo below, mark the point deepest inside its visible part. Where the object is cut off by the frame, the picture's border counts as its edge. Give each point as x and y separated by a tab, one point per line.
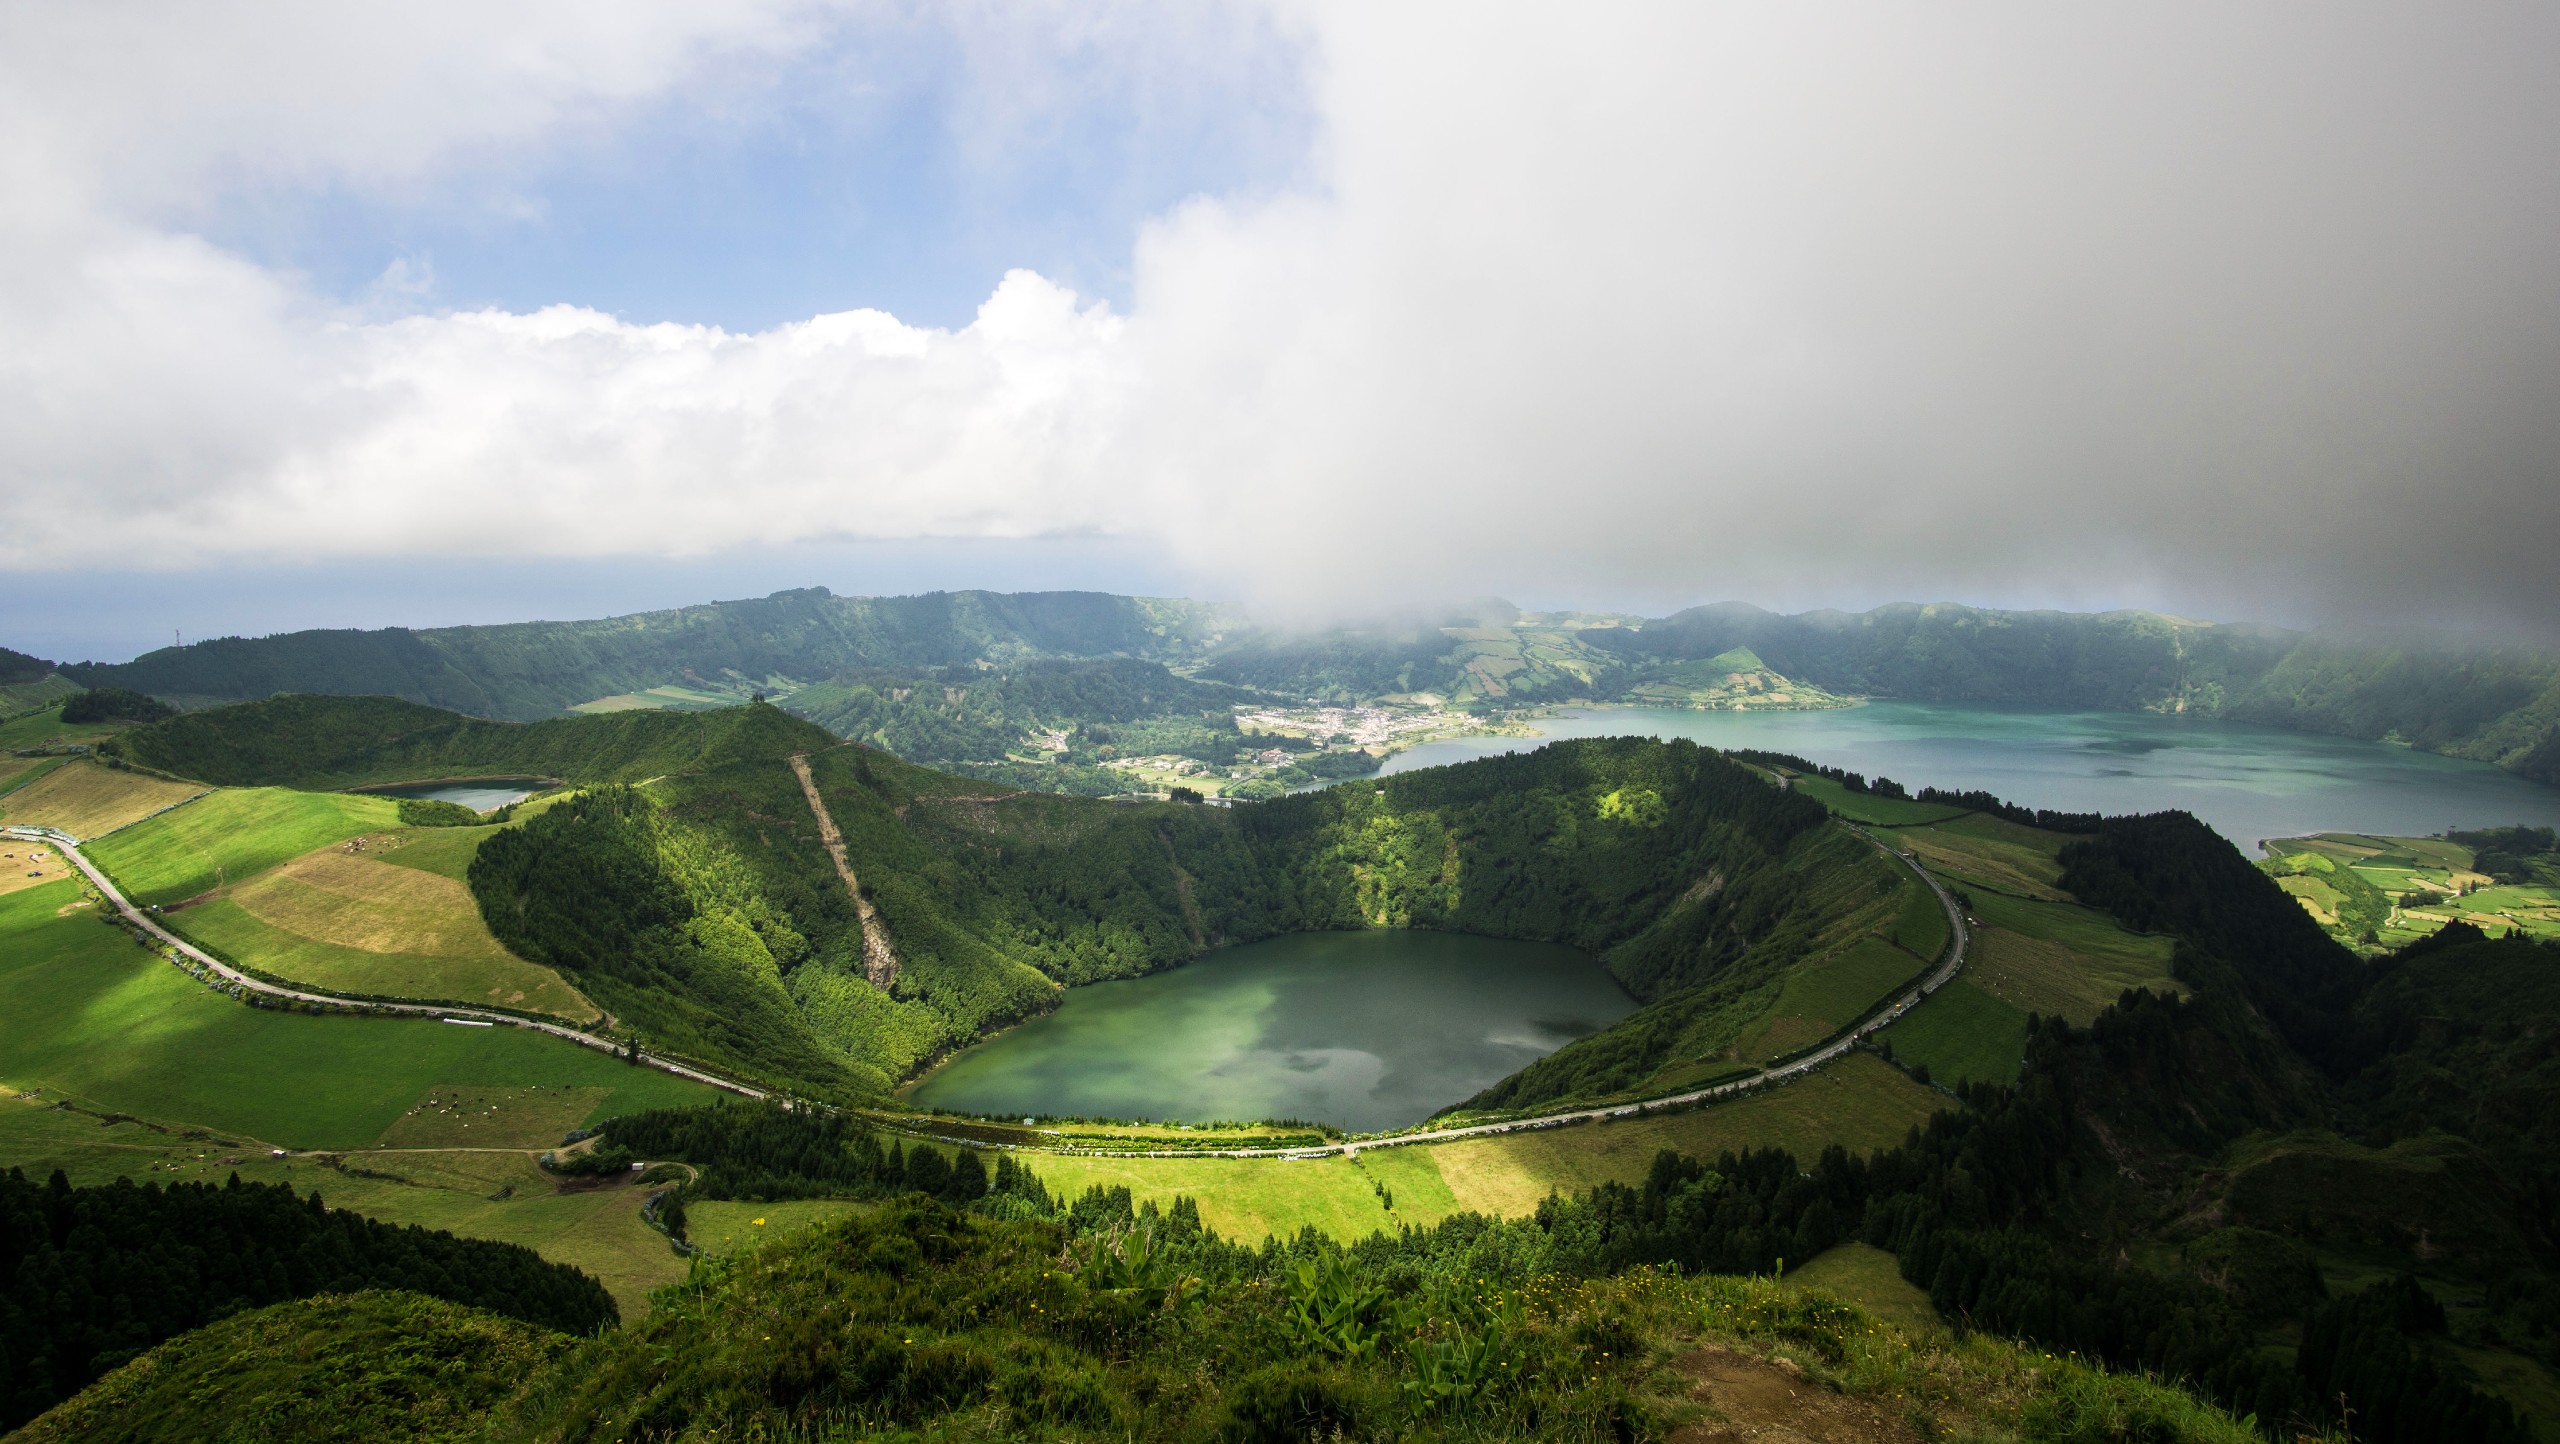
1767	922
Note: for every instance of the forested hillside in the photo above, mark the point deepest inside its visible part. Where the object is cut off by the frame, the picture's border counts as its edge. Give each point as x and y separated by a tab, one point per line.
529	670
704	910
340	742
90	1277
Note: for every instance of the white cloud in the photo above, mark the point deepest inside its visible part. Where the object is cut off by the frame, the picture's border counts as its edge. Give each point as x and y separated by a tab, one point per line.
2196	306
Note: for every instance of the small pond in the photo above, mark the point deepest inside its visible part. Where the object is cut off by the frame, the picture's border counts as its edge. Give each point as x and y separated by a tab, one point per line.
1364	1030
480	794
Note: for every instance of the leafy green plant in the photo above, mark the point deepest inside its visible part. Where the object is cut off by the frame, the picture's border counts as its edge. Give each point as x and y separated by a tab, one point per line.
1333	1309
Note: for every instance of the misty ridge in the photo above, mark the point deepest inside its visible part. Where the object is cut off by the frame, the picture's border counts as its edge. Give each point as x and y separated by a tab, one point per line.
1040	658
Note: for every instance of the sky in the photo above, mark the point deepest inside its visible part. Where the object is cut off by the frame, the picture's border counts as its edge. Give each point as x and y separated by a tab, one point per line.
328	315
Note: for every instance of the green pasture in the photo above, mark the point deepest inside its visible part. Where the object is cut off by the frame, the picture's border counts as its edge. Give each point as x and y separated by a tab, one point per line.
47	729
87	800
1979	851
1963	1034
1921	926
230	836
725	1226
444	851
17	772
458	1117
2083	930
1823	997
1870	1278
1875	811
1860	1102
96	1017
2039	976
359	925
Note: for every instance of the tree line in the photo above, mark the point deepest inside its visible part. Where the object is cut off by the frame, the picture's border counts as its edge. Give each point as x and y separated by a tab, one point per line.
90	1277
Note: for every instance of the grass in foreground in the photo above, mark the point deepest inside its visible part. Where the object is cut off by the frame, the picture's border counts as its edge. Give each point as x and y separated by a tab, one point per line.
359	1367
906	1320
1870	1278
87	800
98	1018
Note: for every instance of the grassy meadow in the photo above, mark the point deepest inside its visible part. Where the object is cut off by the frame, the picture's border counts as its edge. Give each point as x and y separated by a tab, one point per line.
1825	996
47	729
95	1017
231	835
1868	1277
359	924
1860	1102
1963	1035
1979	851
87	800
1875	811
2418	878
17	772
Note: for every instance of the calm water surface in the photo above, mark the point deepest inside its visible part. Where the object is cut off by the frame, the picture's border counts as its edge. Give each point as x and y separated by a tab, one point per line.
480	795
1364	1030
2247	782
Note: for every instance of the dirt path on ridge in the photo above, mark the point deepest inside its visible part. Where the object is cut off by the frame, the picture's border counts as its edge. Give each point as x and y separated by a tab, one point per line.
879	960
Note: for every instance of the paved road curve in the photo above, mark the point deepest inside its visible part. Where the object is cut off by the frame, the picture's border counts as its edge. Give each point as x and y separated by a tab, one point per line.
146	923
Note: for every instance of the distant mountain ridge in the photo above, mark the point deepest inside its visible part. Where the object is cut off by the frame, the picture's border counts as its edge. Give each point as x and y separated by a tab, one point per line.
522	671
2491	703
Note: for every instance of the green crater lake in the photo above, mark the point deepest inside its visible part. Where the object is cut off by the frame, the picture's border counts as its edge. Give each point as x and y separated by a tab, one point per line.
1361	1030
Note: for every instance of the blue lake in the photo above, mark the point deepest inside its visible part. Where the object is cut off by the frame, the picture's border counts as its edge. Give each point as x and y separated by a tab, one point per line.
480	794
2247	782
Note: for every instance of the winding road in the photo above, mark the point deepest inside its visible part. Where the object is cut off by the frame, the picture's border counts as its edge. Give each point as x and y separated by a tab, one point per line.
1840	1044
143	922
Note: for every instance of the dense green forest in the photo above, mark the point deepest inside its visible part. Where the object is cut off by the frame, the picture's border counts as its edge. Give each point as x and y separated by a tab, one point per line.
2490	701
90	1277
703	910
114	704
18	667
337	742
531	670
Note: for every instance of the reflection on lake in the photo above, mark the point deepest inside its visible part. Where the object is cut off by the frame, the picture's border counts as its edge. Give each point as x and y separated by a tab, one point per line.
2247	782
1363	1030
479	794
